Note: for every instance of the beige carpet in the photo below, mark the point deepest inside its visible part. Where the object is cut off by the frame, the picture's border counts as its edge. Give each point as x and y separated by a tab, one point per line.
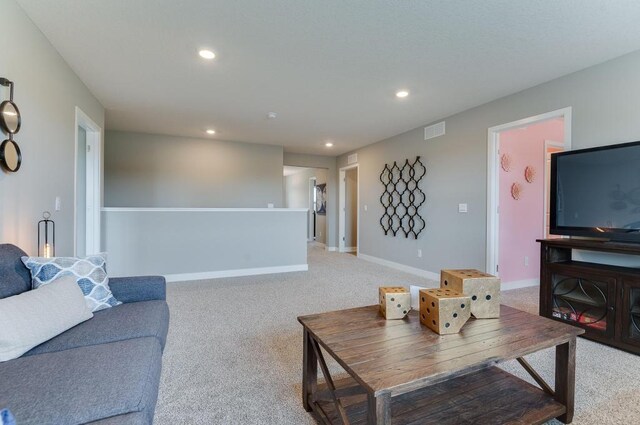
234	349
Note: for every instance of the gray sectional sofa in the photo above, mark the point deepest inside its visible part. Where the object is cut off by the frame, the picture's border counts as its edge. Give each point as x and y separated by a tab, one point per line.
103	371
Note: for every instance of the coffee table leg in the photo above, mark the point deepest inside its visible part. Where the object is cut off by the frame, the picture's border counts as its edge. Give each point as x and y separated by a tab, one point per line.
309	371
566	378
379	409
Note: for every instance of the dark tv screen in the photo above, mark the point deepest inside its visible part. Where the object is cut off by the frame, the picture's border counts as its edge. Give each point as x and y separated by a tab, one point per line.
596	192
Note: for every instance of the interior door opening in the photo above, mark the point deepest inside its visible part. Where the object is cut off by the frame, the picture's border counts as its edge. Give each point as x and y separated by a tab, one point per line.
349	210
550	147
313	214
81	193
518	193
88	186
306	187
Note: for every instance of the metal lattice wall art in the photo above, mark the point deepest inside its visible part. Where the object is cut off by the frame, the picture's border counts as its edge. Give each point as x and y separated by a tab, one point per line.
402	198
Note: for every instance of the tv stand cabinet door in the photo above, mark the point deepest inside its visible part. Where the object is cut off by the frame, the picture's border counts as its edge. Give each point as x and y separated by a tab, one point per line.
630	312
584	298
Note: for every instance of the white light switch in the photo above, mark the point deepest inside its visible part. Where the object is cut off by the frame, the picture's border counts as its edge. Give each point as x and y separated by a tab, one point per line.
462	208
58	203
365	207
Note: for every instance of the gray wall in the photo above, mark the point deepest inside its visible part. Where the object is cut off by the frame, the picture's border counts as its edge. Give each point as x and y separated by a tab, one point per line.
297	196
149	170
351	209
47	92
329	163
605	101
177	242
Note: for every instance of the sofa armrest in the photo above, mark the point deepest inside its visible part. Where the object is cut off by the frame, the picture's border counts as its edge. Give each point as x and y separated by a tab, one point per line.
138	288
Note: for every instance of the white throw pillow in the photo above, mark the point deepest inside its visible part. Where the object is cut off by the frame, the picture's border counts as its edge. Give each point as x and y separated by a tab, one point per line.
36	316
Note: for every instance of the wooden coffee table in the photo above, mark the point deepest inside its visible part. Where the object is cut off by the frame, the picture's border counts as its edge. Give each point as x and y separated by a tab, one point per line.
403	372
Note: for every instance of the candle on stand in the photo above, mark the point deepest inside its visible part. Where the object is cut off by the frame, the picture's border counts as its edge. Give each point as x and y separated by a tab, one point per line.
46	236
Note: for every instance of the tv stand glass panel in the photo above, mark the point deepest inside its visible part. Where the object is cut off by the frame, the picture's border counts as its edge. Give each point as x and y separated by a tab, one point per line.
580	300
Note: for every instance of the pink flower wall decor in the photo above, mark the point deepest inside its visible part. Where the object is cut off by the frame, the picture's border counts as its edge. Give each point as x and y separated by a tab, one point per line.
529	174
505	162
516	191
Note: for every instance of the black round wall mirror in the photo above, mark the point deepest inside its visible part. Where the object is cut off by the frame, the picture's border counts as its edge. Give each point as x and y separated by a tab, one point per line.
10	121
10	155
10	117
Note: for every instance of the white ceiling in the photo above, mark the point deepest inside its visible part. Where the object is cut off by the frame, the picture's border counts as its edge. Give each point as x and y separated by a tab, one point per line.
328	68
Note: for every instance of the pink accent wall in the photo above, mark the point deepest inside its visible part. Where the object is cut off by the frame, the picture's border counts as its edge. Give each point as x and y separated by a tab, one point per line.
522	221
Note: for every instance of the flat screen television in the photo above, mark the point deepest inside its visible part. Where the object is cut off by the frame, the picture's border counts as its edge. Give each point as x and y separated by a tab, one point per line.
596	192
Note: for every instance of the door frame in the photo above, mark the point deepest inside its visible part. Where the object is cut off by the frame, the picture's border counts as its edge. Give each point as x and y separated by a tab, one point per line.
493	164
547	171
342	201
311	227
93	177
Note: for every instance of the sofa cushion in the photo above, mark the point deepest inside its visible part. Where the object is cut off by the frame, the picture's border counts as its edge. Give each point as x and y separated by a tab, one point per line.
34	317
83	384
90	273
14	276
132	320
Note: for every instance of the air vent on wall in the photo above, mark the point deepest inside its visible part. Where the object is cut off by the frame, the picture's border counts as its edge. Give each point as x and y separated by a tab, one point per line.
352	159
434	130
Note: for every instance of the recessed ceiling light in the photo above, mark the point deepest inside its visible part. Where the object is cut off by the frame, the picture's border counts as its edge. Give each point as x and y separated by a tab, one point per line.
206	54
211	131
402	94
328	144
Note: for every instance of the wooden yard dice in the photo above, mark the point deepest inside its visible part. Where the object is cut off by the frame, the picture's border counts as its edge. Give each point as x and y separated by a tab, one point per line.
395	302
444	311
483	288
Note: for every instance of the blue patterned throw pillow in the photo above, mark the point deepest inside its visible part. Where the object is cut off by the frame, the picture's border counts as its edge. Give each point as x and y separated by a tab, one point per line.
6	418
90	273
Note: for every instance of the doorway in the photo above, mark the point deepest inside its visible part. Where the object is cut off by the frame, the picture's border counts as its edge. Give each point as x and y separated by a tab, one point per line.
306	188
312	226
88	185
518	191
349	211
550	147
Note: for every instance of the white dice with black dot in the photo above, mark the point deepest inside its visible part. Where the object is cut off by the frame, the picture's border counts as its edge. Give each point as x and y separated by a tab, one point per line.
483	288
444	311
395	301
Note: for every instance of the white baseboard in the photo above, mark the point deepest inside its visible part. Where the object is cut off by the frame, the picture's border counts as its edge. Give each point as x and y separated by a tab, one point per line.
332	248
517	284
349	249
505	286
180	277
401	267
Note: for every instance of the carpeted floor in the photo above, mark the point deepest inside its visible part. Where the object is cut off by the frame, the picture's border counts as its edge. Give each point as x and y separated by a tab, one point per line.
234	351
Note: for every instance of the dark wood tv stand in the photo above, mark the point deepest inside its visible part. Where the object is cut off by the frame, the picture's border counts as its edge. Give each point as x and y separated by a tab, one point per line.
602	299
